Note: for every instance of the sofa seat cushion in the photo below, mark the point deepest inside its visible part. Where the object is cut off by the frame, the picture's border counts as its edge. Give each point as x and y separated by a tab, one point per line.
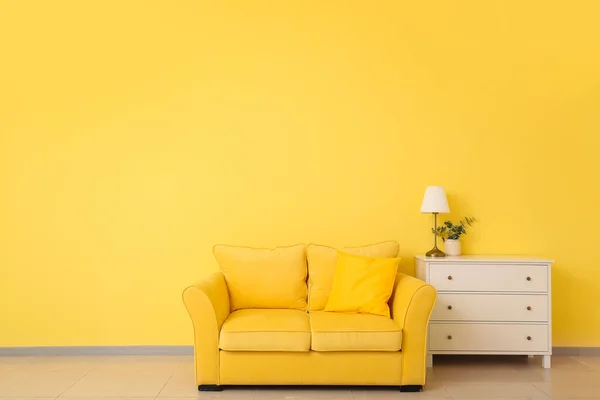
266	330
333	331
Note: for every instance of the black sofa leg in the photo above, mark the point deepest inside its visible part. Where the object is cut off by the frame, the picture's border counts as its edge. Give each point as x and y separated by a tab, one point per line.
411	388
210	388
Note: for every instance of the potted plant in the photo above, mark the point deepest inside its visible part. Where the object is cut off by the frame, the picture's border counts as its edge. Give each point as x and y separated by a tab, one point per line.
451	233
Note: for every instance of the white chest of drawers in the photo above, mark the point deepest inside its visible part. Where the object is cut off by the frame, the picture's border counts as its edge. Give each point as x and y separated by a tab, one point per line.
489	305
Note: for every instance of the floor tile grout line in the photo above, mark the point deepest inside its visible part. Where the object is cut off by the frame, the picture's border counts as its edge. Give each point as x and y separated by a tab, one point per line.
538	389
168	380
576	359
591	367
74	383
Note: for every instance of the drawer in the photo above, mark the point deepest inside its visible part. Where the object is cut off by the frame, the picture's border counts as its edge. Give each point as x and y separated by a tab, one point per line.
488	337
491	307
489	277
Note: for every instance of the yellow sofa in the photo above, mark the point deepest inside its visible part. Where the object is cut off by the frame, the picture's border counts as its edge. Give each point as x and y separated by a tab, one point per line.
245	336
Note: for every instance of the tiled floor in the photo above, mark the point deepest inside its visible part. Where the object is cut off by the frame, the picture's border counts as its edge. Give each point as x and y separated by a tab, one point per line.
172	377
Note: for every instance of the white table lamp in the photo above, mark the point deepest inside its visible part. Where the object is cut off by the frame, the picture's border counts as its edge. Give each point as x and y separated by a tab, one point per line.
435	202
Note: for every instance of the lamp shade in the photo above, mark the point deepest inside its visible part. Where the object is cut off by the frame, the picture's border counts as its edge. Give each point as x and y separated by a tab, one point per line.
435	201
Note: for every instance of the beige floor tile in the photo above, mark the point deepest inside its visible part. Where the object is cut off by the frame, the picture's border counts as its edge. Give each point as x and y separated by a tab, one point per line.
107	398
67	359
63	364
204	396
557	376
178	398
492	398
496	390
559	373
431	391
558	363
570	363
9	360
304	393
143	363
26	398
150	359
397	395
183	384
434	389
8	364
41	376
187	390
228	394
575	398
570	389
125	377
591	362
130	385
37	383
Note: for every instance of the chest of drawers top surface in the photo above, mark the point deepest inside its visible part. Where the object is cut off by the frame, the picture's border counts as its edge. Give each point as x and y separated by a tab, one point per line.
504	259
486	274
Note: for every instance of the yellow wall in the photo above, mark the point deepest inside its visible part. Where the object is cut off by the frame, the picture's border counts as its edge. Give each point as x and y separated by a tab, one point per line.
134	135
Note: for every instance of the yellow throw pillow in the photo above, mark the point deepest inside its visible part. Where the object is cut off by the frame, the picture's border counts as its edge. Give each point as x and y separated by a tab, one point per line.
321	267
362	284
264	278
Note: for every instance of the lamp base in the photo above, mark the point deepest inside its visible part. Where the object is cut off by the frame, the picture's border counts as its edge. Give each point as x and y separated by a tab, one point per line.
435	252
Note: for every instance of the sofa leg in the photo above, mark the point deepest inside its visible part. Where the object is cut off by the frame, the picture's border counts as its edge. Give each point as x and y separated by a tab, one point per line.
411	388
210	388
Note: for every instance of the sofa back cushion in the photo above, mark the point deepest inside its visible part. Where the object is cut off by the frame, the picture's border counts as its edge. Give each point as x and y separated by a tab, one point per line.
321	267
264	278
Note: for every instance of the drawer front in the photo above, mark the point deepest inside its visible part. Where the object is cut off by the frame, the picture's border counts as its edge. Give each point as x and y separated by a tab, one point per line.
488	337
491	307
489	277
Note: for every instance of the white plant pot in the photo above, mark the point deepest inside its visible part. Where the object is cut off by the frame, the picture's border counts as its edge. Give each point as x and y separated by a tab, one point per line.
452	247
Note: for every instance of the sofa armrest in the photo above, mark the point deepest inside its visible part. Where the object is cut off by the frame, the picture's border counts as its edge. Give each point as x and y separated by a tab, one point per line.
207	302
412	303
